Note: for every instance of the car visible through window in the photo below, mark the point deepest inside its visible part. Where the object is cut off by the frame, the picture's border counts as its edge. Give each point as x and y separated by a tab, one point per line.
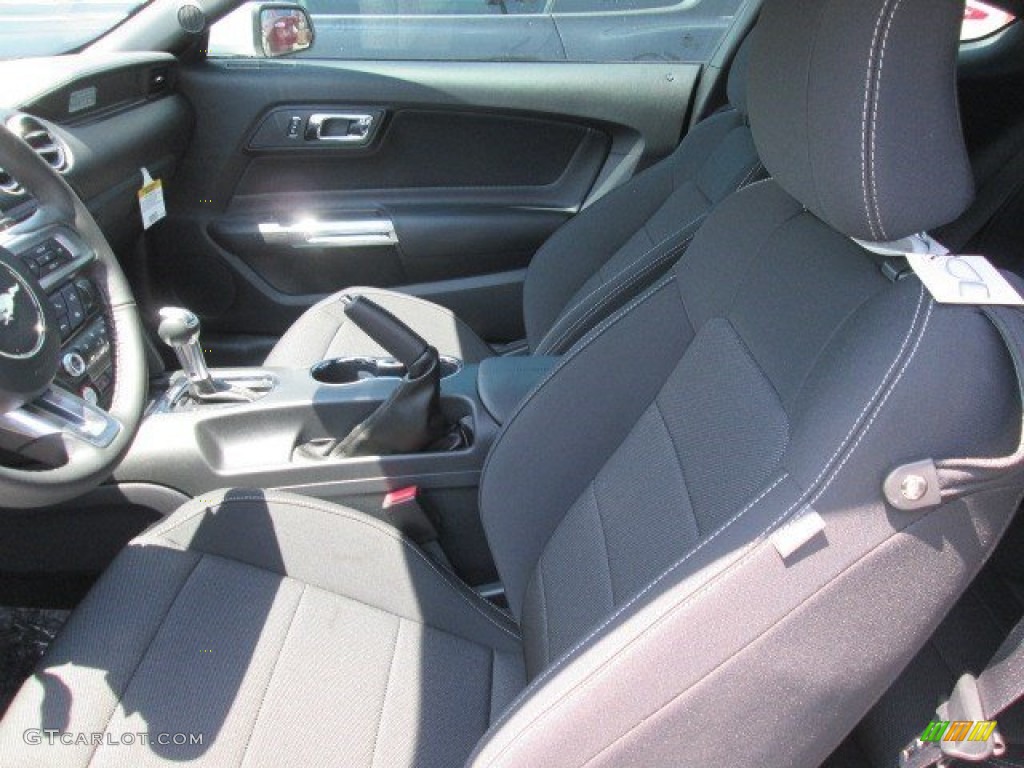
983	20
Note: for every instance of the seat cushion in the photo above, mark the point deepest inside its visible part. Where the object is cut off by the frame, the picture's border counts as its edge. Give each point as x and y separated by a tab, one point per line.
323	331
271	625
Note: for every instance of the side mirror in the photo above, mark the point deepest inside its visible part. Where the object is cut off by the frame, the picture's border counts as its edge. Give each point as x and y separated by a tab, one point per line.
280	29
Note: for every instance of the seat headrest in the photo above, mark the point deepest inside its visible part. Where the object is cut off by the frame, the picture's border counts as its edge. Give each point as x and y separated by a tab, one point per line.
854	111
736	87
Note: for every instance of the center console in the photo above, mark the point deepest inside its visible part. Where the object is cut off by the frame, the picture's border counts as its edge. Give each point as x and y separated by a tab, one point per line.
197	448
293	431
267	427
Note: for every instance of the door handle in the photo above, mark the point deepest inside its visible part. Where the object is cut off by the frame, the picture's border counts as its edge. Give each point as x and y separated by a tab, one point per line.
349	233
341	127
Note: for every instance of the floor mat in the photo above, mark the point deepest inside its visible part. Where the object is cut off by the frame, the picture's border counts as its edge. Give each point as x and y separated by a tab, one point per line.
25	633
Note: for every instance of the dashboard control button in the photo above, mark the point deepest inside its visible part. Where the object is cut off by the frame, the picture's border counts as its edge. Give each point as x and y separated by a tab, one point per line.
76	311
64	323
73	364
90	395
87	293
57	301
64	256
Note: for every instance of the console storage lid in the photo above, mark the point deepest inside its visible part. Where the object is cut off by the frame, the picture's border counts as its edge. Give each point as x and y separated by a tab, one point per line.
503	382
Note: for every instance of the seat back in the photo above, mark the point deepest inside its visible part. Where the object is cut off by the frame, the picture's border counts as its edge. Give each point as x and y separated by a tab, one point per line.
699	551
616	248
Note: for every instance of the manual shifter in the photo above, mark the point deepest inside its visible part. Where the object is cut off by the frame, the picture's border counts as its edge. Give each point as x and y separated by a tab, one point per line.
179	329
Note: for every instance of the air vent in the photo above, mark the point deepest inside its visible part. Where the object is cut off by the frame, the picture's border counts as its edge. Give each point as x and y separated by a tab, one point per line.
37	136
8	184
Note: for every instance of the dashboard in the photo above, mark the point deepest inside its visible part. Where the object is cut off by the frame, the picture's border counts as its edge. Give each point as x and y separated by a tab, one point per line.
98	120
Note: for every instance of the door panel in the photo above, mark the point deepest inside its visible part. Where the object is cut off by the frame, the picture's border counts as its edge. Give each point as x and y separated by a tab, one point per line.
466	170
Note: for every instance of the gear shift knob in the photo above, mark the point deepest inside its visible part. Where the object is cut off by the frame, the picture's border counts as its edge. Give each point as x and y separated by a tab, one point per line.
179	329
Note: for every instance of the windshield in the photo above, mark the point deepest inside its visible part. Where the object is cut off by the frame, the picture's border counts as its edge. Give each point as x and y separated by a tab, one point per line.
46	27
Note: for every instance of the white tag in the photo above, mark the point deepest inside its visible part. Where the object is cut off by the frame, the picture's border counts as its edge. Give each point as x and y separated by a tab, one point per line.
797	532
963	280
151	200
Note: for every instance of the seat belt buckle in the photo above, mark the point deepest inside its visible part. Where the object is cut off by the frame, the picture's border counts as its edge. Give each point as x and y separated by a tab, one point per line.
969	737
402	508
961	732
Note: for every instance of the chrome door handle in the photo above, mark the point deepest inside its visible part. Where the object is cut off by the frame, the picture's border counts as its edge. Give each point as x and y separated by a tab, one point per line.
346	233
341	127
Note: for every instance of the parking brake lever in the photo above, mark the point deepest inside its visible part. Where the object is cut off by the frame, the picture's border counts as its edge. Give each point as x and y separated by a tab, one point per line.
410	420
400	341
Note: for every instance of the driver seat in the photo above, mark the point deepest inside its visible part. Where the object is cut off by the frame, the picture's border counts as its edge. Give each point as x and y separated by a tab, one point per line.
687	514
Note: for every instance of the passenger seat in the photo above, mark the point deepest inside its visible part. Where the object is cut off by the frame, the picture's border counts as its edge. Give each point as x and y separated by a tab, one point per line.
599	260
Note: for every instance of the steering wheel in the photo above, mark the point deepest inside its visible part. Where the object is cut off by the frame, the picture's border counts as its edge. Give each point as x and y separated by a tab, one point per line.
55	445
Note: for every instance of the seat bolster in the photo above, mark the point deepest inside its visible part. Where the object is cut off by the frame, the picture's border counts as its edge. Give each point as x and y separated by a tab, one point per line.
323	331
335	549
518	515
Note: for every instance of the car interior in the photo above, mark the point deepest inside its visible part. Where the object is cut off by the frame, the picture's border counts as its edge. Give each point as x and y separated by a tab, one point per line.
510	412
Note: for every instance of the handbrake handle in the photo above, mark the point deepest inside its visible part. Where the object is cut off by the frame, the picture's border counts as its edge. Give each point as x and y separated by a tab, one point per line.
400	341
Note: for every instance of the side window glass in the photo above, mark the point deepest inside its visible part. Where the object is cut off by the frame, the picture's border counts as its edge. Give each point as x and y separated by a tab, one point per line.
499	30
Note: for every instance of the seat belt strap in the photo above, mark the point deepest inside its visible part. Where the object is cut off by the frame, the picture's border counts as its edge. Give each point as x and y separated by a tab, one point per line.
992	196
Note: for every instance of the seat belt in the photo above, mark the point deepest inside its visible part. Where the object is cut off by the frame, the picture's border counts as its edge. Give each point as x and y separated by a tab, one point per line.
992	196
976	702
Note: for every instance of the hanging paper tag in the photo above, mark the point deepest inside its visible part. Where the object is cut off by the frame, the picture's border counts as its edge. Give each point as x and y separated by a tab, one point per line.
956	279
151	200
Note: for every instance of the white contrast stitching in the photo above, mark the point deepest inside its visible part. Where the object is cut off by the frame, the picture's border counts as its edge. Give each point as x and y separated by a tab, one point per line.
882	390
614	291
750	175
602	286
564	657
875	39
878	391
273	670
874	120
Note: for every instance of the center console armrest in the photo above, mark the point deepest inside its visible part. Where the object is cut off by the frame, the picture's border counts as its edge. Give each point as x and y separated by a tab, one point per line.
503	382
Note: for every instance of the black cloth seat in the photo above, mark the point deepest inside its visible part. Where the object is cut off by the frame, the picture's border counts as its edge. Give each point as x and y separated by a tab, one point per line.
646	506
603	257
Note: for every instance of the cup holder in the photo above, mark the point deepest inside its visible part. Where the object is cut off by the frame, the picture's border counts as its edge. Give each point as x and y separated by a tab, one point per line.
349	370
